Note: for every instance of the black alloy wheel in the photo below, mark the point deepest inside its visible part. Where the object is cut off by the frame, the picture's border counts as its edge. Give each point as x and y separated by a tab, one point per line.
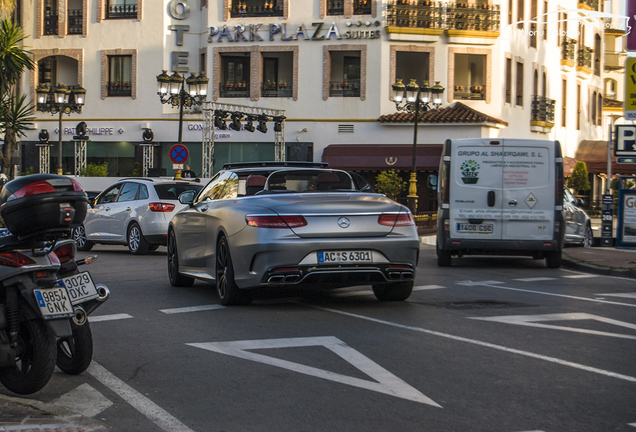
176	278
226	289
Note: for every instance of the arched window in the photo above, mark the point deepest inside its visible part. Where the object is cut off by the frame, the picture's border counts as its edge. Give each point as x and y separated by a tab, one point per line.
610	88
599	107
593	110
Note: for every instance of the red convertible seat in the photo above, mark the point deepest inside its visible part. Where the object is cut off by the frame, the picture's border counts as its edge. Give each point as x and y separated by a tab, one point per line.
254	184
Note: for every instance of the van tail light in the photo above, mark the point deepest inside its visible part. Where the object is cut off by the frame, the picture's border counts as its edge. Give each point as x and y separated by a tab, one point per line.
401	219
444	183
559	184
447	225
15	259
65	253
276	221
161	207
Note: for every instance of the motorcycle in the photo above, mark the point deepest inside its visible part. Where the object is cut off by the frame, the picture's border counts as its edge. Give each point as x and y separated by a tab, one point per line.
44	299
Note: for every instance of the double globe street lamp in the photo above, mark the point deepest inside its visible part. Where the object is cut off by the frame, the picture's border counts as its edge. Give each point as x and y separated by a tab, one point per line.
413	98
63	100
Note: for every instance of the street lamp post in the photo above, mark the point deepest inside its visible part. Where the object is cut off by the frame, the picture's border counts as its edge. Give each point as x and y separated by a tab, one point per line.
171	89
413	98
60	100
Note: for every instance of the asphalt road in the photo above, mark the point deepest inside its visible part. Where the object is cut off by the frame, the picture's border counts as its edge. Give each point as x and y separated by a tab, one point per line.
490	344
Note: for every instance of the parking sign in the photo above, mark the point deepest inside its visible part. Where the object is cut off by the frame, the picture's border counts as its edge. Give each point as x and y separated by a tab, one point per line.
625	140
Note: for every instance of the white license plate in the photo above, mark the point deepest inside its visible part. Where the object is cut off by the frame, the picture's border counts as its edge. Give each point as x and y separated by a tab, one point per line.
80	287
54	302
328	257
475	228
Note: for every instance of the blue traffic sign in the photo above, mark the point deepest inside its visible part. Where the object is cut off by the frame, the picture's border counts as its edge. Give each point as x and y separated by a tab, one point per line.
178	153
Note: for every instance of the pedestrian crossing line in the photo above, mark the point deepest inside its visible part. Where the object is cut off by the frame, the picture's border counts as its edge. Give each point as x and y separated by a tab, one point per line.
535	279
192	309
113	317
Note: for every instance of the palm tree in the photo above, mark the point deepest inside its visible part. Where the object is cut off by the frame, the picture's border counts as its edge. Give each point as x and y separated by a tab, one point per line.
15	119
15	114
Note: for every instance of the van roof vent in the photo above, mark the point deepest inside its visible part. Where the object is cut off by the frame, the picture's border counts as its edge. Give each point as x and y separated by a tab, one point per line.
345	128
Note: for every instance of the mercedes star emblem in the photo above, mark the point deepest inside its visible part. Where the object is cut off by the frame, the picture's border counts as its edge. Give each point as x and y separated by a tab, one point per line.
344	222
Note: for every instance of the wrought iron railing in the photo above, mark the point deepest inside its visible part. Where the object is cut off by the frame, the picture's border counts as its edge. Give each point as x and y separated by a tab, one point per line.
568	49
75	21
542	109
335	7
362	7
264	8
584	58
349	88
272	89
121	11
475	92
235	90
438	15
119	89
50	23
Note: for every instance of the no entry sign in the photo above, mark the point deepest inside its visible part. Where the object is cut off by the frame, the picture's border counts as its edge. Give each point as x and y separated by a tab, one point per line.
178	153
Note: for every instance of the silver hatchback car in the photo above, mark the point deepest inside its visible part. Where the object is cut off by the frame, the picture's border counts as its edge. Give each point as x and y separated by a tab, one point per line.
133	212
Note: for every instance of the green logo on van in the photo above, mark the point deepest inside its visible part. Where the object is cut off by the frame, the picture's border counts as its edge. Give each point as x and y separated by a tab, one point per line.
470	171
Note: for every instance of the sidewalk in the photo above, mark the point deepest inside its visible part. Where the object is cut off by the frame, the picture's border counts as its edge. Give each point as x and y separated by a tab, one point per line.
601	260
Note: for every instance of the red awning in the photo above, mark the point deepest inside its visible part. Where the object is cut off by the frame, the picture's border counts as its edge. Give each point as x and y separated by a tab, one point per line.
594	154
380	157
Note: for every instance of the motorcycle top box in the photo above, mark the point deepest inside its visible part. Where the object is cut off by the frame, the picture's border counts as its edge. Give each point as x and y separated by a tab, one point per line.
42	203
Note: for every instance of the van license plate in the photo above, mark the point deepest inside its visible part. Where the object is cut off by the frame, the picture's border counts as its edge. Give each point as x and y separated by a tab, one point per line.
328	257
80	287
54	303
475	228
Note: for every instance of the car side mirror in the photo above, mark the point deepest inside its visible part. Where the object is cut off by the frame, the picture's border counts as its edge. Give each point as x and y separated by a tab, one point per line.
187	197
580	202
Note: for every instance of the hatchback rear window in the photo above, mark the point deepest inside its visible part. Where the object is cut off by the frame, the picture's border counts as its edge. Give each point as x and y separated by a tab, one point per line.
172	191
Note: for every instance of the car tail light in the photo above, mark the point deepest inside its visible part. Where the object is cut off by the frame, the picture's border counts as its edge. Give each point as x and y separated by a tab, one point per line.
276	221
65	252
161	207
402	219
15	259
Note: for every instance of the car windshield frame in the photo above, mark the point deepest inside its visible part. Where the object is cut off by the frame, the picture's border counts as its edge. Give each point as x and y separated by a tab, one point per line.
308	181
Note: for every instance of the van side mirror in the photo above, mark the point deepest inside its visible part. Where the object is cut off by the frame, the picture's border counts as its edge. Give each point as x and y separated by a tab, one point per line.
187	197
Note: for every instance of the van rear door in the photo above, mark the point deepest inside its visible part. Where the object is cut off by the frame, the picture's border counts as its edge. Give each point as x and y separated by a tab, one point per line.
528	189
476	182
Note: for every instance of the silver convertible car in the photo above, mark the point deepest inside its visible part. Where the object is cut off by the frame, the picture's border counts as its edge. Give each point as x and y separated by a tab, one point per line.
257	225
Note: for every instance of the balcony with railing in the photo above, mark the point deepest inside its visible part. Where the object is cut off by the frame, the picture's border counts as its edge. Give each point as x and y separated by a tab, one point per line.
542	114
121	10
348	88
614	61
75	21
584	61
257	8
50	22
568	53
471	17
362	7
273	89
588	5
235	90
425	14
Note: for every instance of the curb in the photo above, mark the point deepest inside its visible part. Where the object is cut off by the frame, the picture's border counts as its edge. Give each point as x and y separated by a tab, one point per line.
591	268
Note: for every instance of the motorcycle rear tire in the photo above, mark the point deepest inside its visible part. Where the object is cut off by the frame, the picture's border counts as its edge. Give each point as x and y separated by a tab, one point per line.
35	359
74	354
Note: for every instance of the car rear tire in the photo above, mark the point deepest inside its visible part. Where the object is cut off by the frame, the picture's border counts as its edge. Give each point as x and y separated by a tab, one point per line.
397	291
176	278
82	243
443	258
553	259
588	240
137	244
226	289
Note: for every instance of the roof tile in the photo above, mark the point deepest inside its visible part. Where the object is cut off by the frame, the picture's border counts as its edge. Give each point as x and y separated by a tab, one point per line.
455	113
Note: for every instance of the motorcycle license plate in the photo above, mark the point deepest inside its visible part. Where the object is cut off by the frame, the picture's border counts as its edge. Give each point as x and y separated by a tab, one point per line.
328	257
80	287
54	302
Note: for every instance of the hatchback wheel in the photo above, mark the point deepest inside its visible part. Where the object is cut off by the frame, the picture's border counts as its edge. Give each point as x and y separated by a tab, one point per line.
137	244
82	243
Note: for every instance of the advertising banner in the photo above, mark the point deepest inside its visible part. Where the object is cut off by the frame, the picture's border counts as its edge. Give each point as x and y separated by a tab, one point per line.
626	232
631	37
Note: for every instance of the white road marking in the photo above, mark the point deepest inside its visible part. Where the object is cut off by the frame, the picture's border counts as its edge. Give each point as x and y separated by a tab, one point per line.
370	292
492	285
84	400
624	295
108	317
192	309
387	383
532	321
152	411
632	424
485	344
580	276
535	279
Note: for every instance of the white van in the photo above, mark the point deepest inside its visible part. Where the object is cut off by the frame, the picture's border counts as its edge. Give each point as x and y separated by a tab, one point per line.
500	196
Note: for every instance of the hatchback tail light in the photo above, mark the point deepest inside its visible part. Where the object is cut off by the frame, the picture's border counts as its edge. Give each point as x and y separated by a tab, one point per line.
161	207
15	259
276	221
402	219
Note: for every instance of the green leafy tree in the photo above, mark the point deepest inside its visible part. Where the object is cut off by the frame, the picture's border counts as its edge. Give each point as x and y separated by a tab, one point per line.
579	180
390	184
15	114
95	170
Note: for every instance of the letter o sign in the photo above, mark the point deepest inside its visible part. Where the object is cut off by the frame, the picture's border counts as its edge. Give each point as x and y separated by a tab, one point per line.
173	7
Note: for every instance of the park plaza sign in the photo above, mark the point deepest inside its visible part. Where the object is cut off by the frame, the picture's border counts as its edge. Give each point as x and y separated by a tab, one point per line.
317	31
